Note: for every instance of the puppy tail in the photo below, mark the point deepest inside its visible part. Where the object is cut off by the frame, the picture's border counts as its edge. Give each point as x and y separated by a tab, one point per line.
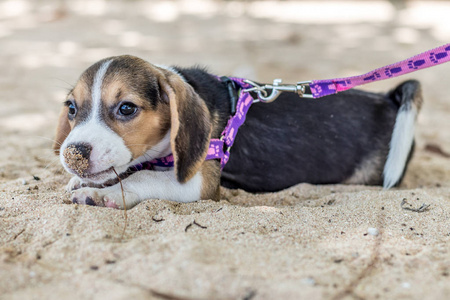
408	96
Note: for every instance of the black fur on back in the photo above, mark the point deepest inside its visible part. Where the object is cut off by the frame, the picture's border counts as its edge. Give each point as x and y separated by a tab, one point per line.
294	140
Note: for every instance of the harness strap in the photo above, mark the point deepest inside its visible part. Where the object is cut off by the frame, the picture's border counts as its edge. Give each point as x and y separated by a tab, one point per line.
220	148
147	165
430	58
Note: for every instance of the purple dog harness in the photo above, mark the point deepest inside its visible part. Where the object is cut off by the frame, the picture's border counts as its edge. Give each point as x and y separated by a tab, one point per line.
220	148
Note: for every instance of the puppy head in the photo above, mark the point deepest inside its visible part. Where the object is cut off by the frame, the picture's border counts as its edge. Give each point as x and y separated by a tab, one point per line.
124	110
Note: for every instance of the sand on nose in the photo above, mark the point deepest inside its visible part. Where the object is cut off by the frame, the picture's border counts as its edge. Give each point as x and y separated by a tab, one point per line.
75	160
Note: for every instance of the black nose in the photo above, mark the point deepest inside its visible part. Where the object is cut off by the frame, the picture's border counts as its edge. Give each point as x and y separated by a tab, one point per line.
82	148
76	157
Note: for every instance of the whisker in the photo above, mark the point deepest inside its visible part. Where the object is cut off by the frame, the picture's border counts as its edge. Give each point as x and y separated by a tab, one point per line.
54	163
62	80
45	156
131	131
43	137
124	204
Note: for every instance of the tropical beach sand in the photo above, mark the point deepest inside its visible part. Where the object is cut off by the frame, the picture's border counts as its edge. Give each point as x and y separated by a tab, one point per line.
307	242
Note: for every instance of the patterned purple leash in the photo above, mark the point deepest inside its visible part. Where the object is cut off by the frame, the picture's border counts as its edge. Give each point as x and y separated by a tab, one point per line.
220	148
433	57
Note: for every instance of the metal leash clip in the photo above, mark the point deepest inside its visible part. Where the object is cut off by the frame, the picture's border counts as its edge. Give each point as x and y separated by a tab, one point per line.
276	88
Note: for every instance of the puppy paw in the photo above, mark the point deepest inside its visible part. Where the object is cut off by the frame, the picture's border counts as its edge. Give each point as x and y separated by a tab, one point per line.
115	200
88	196
74	184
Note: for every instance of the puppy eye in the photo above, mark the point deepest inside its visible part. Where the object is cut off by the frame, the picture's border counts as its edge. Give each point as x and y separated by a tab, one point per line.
72	109
127	109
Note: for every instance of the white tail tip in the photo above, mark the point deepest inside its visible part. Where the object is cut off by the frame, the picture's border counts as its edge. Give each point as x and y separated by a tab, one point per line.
400	146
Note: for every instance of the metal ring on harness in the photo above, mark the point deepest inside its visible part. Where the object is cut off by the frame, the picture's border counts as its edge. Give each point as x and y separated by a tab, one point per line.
276	88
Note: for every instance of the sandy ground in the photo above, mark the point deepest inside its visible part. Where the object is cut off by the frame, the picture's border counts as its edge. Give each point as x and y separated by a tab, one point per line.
310	242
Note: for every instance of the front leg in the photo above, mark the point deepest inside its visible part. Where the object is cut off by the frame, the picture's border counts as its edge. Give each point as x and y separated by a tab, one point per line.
89	196
156	185
74	184
140	186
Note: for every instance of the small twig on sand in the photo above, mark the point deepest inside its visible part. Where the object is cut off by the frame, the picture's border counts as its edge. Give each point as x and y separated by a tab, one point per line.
422	208
201	226
157	220
124	205
194	223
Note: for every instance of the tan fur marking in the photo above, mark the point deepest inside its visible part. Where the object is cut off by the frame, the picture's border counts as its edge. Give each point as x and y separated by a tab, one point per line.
418	98
210	171
369	171
62	130
112	87
146	129
80	93
141	133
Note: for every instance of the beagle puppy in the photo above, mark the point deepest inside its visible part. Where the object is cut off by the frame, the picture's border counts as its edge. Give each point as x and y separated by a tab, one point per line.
125	112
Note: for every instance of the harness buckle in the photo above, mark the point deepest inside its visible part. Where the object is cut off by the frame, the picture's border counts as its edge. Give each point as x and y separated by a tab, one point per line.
231	92
276	88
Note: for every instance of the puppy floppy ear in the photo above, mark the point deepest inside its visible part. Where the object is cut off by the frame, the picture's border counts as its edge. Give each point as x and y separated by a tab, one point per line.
190	127
62	130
